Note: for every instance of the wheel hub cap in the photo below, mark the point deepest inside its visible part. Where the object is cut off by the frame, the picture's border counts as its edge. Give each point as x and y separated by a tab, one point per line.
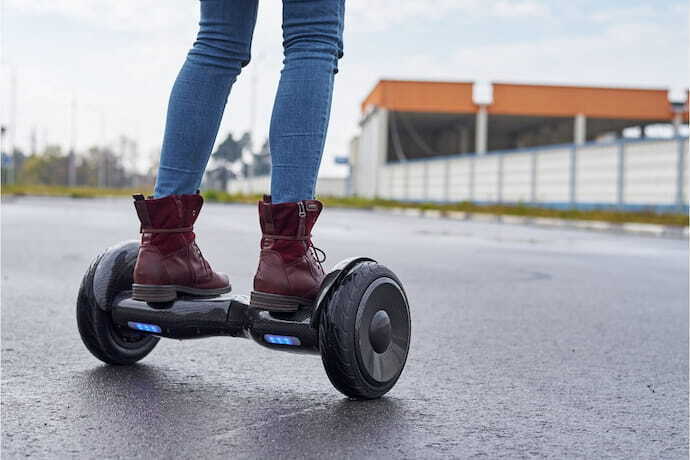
380	331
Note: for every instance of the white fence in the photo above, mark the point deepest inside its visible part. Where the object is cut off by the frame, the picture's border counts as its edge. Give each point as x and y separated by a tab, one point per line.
325	186
625	173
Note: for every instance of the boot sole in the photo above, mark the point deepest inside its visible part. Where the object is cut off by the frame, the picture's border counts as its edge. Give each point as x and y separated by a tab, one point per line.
166	293
278	303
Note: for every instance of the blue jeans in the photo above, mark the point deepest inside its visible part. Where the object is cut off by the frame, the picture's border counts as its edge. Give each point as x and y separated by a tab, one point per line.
312	44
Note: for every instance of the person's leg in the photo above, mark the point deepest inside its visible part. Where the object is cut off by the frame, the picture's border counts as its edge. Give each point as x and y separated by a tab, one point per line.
169	261
312	42
289	275
198	98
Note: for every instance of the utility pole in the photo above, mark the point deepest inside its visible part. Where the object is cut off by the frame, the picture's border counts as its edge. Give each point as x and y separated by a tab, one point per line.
3	128
124	142
34	141
2	33
12	128
101	153
252	112
3	152
71	160
252	120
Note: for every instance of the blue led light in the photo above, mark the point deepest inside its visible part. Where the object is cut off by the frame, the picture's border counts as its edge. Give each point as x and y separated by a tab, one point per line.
282	339
144	327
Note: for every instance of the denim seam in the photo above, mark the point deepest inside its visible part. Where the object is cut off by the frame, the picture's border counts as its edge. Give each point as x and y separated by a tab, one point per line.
171	168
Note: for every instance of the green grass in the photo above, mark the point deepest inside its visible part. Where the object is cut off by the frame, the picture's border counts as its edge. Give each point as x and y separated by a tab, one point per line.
74	192
613	216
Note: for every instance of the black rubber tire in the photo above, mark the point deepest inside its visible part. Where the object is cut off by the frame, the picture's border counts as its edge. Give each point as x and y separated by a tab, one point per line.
107	342
337	333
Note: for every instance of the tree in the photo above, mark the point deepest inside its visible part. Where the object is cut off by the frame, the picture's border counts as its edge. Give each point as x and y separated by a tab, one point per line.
230	150
228	154
50	168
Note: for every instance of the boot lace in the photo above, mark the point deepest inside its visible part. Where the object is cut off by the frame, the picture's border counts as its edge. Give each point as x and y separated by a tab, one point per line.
204	262
319	254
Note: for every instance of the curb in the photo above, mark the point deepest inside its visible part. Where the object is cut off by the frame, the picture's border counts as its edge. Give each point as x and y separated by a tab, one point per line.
667	231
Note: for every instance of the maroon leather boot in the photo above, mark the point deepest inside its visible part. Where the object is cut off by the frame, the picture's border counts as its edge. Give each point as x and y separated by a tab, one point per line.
289	273
169	260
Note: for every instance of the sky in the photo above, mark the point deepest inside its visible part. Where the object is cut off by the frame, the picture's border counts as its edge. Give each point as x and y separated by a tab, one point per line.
115	61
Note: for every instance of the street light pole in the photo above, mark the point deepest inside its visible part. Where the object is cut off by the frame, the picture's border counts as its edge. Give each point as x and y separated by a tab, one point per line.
71	161
12	128
252	112
101	153
3	152
252	120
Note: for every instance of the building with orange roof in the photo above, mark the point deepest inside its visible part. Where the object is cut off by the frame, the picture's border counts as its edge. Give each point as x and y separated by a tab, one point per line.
428	118
552	145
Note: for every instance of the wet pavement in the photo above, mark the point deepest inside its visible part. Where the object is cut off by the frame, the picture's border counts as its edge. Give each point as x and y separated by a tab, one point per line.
526	342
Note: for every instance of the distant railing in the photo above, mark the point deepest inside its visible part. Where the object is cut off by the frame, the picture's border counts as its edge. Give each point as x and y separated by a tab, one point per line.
623	173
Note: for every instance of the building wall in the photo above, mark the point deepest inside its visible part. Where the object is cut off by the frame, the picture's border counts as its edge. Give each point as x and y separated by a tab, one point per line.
623	173
372	146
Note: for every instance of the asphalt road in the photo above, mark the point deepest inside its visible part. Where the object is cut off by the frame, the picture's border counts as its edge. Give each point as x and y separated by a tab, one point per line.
527	342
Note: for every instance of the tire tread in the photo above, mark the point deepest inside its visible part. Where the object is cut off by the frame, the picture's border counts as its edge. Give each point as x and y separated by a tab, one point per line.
337	333
93	324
